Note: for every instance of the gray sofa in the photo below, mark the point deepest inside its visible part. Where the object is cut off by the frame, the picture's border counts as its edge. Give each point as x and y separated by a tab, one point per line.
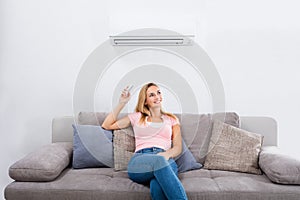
279	180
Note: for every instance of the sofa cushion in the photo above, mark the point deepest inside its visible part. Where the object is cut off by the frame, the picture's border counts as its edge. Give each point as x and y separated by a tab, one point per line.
124	147
91	118
105	183
196	130
92	147
278	167
44	164
233	149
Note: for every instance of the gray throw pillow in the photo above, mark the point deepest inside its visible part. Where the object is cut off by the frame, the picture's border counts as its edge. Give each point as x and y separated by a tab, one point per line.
92	147
233	149
186	161
278	167
44	164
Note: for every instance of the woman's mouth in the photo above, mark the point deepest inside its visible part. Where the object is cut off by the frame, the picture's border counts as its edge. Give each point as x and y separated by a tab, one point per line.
157	102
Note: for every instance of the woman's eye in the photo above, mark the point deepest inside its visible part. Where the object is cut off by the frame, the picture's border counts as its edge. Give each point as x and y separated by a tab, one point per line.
158	92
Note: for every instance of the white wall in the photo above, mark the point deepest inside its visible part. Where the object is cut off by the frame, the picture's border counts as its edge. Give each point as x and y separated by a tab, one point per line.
255	46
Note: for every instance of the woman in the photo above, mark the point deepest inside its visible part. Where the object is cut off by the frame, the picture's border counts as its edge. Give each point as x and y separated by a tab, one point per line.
158	141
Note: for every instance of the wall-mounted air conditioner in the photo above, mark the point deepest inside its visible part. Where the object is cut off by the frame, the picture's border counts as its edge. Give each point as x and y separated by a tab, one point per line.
184	40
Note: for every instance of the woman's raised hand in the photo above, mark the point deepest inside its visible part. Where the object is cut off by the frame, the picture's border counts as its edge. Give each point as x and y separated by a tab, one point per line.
125	95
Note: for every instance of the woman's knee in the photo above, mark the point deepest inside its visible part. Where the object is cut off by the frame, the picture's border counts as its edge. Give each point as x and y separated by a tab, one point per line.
140	177
160	162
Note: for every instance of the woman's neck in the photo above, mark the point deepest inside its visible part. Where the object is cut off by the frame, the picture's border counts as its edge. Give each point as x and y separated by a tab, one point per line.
155	113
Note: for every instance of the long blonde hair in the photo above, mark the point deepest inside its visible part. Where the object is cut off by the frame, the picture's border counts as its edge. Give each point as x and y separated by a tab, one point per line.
142	108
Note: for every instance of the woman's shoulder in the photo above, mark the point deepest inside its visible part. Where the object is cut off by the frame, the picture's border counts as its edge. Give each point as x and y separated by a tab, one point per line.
137	114
170	115
134	117
171	118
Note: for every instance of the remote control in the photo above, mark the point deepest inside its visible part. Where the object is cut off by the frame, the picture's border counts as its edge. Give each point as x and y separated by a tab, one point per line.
129	88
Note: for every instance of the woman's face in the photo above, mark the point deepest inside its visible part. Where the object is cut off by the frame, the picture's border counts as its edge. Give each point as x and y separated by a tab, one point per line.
153	97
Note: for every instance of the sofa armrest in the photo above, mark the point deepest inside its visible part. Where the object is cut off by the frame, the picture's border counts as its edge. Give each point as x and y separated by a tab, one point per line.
278	167
44	164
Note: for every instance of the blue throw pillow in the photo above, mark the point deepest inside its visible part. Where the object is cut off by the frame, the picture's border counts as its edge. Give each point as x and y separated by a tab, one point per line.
92	147
186	161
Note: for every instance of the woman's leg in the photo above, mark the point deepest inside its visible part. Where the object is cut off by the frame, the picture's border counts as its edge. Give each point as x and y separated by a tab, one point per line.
169	181
143	168
155	188
156	191
139	169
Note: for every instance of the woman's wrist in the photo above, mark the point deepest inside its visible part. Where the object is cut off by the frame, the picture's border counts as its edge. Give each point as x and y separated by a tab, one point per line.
122	103
170	155
166	154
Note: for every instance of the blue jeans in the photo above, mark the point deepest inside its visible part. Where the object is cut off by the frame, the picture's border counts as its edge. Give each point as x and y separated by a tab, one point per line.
146	166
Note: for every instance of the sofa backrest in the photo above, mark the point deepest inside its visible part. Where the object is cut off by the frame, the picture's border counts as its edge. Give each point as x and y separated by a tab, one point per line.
62	130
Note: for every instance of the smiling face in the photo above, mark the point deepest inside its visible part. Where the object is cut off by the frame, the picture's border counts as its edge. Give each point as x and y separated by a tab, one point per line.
153	97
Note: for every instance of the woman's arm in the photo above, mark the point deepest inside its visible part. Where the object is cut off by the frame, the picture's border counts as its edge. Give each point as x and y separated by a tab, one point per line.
111	122
177	144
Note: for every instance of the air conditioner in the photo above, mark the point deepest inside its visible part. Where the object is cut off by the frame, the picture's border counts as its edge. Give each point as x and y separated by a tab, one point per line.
151	40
